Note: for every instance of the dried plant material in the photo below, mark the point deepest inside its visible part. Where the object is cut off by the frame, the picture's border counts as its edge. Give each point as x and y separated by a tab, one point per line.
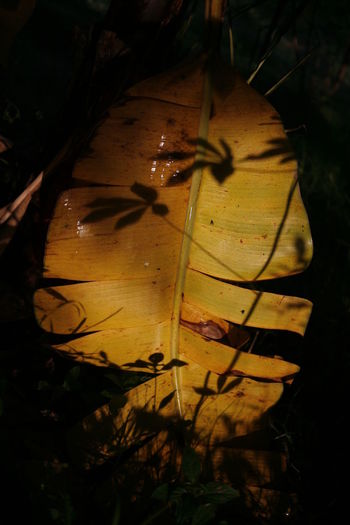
12	214
5	144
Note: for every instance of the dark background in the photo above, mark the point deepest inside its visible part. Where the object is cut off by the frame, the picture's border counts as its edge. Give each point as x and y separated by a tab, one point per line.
64	68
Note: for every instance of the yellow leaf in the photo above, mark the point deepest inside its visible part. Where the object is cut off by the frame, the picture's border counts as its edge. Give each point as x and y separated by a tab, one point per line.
190	195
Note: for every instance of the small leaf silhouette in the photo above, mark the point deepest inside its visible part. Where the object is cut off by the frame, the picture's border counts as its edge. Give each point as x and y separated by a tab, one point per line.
204	144
226	148
109	208
145	192
160	209
139	363
220	168
117	203
174	155
130	218
104	356
221	382
181	176
77	328
231	385
279	147
174	362
99	215
156	358
222	171
166	400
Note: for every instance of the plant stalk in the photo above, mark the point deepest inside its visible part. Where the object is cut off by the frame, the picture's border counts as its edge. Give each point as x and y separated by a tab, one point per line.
213	10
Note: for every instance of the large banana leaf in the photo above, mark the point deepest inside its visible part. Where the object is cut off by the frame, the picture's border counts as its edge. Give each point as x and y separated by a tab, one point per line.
162	221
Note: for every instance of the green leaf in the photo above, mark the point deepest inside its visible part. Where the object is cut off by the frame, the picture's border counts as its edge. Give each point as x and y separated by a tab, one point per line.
215	492
204	514
177	493
71	380
191	466
161	493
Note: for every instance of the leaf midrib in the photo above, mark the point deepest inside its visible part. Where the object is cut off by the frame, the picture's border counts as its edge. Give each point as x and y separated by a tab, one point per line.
187	234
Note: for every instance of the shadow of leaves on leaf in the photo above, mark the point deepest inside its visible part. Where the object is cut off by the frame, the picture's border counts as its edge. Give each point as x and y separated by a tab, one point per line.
71	306
278	148
130	218
166	400
221	388
155	363
204	391
104	208
224	387
219	162
300	246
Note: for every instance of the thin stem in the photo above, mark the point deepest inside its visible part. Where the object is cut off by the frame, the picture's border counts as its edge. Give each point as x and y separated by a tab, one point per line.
188	231
257	69
287	75
9	210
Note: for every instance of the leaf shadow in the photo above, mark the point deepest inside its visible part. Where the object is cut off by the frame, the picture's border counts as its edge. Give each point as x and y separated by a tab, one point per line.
143	446
277	148
104	208
155	363
218	161
62	302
